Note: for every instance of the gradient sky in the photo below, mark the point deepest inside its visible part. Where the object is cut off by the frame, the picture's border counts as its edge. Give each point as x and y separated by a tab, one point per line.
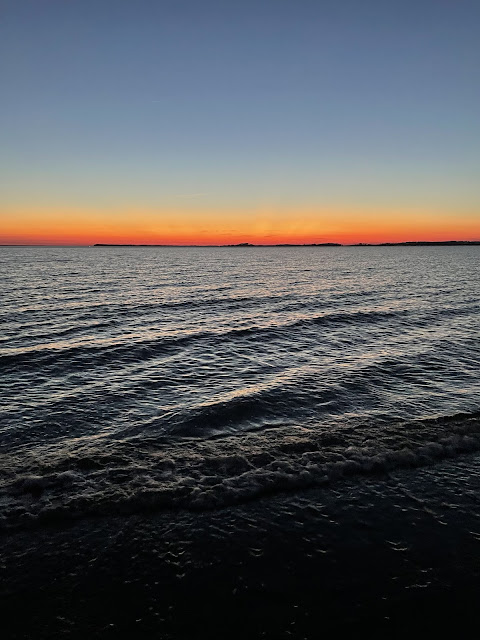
265	121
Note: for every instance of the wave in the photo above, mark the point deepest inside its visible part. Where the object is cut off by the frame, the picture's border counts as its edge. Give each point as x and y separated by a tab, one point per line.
93	476
132	309
88	354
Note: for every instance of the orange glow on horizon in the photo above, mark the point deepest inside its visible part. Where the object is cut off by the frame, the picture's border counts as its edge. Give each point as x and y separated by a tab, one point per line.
183	227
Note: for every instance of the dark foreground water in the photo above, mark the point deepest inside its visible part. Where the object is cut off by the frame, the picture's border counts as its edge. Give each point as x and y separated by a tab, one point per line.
307	417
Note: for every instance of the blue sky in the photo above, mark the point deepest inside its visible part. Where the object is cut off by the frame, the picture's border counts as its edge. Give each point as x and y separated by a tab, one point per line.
249	104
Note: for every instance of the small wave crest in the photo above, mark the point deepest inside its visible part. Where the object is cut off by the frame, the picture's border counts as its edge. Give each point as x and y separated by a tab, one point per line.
92	353
83	478
80	352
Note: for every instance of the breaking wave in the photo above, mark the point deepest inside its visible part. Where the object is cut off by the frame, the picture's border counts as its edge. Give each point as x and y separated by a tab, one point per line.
88	478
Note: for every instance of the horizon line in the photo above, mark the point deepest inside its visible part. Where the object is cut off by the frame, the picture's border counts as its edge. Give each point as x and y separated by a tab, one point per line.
248	244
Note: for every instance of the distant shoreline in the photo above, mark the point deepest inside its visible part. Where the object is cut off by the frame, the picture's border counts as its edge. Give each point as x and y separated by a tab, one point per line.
444	243
447	243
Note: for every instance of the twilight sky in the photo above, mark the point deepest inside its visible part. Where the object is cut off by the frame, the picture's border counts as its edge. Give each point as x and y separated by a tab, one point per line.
267	121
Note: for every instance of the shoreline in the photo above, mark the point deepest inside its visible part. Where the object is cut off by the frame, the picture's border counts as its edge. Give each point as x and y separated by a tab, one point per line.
420	243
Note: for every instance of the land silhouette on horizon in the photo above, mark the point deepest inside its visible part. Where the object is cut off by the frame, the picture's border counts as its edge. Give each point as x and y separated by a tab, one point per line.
419	243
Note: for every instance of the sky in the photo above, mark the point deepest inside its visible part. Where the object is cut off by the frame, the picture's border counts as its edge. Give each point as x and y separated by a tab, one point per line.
216	122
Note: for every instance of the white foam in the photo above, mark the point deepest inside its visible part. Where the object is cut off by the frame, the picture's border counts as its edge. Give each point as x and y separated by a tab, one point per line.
192	474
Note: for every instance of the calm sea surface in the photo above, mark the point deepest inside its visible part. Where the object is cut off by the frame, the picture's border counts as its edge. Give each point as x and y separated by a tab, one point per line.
192	378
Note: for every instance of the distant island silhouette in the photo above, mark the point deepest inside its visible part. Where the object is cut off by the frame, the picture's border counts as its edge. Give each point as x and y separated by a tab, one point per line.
421	243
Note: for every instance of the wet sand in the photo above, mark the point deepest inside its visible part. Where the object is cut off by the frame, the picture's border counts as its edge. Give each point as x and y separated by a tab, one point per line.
392	556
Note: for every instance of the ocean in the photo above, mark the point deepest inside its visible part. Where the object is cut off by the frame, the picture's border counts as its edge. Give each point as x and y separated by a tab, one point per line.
189	384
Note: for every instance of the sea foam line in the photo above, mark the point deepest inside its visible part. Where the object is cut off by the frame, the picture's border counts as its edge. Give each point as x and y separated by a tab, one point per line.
136	476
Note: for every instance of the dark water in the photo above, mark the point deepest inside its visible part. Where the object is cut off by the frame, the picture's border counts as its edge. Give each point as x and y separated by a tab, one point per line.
193	378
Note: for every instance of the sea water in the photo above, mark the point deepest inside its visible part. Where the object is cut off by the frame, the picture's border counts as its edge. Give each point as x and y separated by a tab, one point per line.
194	378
